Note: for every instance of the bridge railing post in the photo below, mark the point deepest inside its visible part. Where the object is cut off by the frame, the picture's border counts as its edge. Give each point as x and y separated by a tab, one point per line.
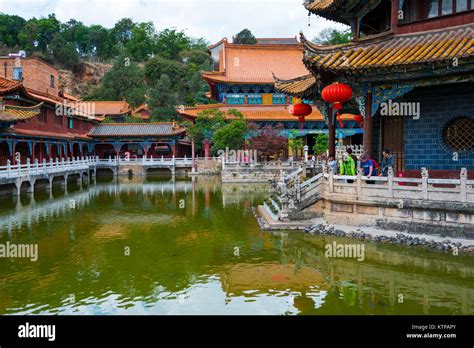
57	162
51	164
36	166
28	162
44	165
68	164
9	168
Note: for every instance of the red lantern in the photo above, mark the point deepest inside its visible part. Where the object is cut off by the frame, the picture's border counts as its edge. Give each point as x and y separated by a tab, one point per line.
337	94
300	110
358	119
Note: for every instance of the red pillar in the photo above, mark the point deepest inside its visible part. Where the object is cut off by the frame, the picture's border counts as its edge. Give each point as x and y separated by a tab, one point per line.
332	132
13	160
368	125
175	149
207	148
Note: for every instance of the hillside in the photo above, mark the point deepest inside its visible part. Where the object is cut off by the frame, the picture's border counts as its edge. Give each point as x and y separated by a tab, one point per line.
75	81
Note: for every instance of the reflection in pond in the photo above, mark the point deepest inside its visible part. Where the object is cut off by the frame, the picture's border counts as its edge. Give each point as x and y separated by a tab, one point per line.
192	246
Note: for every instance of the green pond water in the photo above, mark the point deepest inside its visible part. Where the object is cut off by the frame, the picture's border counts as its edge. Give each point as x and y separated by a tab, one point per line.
193	246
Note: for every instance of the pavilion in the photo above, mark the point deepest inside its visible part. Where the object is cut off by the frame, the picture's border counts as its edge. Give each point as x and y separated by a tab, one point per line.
403	54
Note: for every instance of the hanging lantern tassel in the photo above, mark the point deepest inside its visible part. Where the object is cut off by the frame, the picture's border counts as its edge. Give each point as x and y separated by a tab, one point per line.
341	124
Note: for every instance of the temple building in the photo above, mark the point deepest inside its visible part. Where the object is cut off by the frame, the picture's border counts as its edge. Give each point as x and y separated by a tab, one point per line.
244	80
40	123
411	68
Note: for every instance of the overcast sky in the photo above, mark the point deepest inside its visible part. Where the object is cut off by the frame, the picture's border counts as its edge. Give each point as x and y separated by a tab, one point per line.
211	19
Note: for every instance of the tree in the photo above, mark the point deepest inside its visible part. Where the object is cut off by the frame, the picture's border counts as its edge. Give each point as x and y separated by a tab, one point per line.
232	134
161	100
331	36
268	140
99	41
123	30
171	42
296	145
322	144
63	51
123	81
206	124
245	37
38	33
10	28
142	43
158	66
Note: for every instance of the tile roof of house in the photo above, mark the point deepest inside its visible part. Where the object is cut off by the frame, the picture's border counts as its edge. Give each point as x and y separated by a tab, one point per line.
136	129
68	96
42	134
393	52
335	10
9	86
254	64
301	87
277	41
12	113
110	108
278	113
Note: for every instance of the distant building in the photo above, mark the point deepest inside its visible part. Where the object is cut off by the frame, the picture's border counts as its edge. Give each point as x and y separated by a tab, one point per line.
244	79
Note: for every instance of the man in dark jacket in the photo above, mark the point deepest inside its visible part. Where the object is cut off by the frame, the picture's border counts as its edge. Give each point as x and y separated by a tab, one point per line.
387	162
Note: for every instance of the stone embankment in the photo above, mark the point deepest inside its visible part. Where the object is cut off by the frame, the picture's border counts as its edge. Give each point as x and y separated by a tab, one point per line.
320	227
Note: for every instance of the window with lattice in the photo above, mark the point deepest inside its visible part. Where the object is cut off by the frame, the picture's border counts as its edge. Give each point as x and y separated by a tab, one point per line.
459	135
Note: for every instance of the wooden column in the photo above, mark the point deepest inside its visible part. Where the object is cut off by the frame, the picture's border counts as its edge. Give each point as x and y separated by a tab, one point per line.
368	125
332	132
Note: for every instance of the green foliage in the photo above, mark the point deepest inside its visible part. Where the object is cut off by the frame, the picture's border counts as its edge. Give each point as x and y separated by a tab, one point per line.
169	52
161	100
212	125
321	145
143	41
171	42
123	81
296	145
245	37
10	27
331	36
158	66
63	51
232	134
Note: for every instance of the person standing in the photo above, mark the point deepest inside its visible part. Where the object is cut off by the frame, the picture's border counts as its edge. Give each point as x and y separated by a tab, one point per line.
387	162
348	166
367	167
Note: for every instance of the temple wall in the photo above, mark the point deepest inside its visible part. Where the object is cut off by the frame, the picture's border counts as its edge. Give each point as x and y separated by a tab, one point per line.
424	145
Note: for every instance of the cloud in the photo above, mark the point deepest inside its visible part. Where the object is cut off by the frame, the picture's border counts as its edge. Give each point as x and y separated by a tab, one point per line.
211	19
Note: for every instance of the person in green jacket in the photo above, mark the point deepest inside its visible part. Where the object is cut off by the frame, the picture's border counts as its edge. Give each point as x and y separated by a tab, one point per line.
347	166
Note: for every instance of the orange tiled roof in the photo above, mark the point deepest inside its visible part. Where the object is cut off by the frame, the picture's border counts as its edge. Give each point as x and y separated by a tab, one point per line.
7	85
256	112
301	87
112	108
37	133
254	64
69	96
407	51
11	113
